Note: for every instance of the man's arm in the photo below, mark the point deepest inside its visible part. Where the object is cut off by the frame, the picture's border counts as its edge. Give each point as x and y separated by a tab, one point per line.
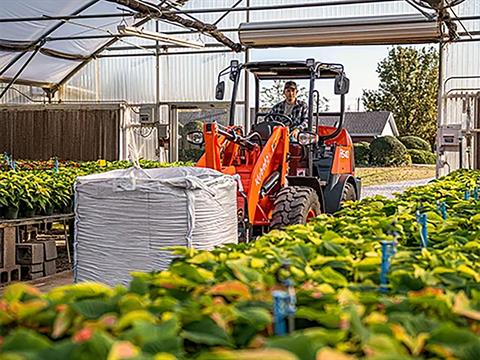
303	118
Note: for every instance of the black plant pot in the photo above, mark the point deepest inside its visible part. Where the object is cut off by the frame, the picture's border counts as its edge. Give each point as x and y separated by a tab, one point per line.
11	212
47	211
28	213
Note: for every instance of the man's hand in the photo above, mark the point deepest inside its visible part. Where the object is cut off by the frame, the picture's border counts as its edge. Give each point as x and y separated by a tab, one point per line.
294	133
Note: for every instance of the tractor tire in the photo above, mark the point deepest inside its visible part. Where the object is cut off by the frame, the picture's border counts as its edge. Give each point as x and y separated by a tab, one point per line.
294	205
349	193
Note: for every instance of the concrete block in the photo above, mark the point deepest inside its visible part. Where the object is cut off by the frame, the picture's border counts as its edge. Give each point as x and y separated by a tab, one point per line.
30	253
27	275
31	272
8	275
8	247
49	267
50	247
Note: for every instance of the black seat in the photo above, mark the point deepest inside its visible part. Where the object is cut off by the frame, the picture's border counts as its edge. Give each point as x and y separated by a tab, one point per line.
264	129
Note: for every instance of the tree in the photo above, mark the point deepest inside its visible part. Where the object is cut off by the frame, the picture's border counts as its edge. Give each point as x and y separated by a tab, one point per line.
274	94
408	88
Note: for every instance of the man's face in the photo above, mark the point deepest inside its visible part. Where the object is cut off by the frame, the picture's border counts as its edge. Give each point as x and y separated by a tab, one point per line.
290	94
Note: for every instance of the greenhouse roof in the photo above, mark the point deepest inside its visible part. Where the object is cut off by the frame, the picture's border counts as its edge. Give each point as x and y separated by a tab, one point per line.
44	43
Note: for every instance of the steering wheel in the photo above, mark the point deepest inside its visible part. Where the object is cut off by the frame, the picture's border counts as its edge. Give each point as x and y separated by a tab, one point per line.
273	117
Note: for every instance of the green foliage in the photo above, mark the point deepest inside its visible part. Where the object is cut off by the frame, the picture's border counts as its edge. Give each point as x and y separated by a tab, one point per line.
208	305
388	151
35	188
362	153
422	157
408	88
414	142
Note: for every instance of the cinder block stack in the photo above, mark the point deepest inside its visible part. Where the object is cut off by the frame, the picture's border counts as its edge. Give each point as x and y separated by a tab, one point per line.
37	259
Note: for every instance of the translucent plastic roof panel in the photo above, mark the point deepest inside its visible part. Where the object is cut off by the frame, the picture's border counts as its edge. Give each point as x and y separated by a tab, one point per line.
33	8
60	49
333	11
87	27
41	65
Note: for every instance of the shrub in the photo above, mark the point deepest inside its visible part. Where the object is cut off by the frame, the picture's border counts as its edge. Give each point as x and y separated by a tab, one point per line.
422	157
388	151
362	153
414	142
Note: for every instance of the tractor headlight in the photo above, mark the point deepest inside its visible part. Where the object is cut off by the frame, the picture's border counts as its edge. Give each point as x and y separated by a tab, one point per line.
307	138
195	138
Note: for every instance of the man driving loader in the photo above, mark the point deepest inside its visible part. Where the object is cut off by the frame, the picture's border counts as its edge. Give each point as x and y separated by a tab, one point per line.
292	107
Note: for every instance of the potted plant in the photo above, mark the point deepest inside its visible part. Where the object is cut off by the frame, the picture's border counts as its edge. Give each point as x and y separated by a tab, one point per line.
10	194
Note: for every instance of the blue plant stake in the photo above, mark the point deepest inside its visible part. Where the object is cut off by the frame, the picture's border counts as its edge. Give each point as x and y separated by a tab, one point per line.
466	195
475	193
422	220
388	250
13	165
284	305
280	300
56	165
442	207
8	159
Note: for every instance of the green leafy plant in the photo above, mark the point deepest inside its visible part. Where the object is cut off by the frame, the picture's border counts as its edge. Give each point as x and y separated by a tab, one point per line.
218	304
416	143
362	153
422	157
37	188
388	151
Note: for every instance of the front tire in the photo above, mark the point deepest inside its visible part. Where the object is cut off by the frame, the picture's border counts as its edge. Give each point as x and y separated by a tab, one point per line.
294	205
349	193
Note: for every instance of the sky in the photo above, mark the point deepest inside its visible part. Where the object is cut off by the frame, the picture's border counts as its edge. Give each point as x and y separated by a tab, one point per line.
360	64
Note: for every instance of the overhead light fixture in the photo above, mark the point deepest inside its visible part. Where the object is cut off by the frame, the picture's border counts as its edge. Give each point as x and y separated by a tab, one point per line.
151	35
372	30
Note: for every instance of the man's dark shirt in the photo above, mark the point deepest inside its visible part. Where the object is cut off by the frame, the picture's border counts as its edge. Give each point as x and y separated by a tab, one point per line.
299	113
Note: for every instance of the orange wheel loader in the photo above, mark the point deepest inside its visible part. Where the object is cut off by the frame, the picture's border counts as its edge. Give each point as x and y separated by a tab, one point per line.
282	181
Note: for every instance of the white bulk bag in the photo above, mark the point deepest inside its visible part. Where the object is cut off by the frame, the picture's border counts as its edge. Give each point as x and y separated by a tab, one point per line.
124	219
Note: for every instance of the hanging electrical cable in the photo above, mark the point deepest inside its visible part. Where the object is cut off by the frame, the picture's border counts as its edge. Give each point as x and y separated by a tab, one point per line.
437	4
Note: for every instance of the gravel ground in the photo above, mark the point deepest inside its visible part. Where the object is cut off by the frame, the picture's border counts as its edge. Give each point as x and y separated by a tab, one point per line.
387	190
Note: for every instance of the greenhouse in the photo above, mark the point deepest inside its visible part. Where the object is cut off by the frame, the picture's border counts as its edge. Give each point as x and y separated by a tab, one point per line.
240	179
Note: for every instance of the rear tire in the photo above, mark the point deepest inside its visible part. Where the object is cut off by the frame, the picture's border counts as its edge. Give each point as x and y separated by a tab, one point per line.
349	193
294	205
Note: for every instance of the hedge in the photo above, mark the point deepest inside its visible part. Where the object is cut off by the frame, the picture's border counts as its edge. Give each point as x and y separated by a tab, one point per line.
416	143
388	151
422	157
362	153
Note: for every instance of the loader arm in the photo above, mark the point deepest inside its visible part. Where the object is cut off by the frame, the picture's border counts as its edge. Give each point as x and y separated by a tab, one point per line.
219	153
272	158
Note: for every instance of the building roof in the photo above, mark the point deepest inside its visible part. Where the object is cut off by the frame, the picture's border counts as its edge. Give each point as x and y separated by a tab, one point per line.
368	123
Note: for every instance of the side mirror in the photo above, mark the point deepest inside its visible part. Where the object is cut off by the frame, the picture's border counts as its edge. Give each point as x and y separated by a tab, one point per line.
307	138
195	138
220	90
342	85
